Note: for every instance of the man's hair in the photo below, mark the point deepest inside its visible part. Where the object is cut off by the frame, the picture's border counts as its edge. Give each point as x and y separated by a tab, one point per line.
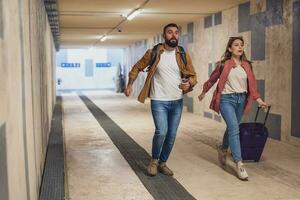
170	25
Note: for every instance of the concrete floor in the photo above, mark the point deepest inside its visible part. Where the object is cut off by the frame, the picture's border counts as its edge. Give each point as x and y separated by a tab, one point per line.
97	170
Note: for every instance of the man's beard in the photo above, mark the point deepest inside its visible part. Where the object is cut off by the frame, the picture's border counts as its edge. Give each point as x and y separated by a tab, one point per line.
173	42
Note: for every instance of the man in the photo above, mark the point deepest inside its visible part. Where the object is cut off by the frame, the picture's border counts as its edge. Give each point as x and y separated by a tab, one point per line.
170	76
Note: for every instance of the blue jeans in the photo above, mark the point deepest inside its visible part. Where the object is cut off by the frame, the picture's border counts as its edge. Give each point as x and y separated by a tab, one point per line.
232	109
166	116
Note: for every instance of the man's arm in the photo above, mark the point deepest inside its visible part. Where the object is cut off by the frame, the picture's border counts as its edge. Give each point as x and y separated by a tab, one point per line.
190	72
190	67
134	72
139	66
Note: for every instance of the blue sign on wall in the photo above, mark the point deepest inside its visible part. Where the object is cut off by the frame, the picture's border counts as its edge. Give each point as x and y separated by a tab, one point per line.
70	64
103	64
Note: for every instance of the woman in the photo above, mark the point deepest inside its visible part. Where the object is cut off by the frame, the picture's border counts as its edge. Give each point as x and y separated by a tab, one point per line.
233	96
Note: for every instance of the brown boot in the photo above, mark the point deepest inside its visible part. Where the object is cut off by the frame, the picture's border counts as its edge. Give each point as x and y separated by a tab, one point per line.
164	169
152	167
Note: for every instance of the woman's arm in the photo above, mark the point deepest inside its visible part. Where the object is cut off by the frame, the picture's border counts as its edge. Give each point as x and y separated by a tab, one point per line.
211	81
254	92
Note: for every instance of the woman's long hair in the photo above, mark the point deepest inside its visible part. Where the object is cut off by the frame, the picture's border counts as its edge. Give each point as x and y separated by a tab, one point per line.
227	55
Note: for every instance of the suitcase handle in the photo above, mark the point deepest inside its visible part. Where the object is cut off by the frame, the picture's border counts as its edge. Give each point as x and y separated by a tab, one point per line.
258	109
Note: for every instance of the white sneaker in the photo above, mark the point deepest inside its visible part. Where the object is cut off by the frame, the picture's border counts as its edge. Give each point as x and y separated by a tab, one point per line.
221	154
241	171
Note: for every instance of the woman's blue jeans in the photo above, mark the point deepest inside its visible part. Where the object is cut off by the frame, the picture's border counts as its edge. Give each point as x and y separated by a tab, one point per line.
232	109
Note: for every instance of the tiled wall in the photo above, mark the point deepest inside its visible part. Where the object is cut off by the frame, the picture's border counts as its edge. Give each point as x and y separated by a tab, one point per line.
270	29
296	71
267	30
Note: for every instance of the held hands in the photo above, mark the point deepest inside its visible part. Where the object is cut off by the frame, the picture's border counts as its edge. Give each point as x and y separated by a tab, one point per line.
128	90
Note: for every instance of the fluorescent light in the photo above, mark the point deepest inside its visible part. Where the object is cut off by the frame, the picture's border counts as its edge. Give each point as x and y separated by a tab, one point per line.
103	38
133	14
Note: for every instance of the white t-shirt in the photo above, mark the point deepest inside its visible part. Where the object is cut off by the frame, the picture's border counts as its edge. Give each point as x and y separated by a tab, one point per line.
167	78
236	81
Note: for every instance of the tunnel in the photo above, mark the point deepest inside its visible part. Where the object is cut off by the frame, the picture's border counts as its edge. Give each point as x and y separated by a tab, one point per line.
86	85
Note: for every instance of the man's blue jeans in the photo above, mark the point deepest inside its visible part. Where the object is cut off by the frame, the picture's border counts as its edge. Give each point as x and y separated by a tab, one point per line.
166	116
232	109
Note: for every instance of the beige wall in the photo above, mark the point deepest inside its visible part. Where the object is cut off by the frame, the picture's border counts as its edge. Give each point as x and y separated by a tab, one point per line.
26	95
209	44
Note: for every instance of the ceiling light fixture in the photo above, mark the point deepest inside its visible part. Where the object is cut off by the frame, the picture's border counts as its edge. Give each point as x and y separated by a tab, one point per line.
133	14
103	38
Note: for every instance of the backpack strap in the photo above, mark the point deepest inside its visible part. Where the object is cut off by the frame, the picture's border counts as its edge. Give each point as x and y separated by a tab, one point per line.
153	57
182	54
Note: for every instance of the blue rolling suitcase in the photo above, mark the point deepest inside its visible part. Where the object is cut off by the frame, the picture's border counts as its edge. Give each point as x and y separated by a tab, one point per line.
253	137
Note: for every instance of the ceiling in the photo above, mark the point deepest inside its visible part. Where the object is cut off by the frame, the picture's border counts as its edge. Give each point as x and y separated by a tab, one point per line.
84	22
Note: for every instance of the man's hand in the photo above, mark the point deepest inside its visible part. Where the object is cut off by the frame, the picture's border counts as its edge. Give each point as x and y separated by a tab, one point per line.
128	90
185	86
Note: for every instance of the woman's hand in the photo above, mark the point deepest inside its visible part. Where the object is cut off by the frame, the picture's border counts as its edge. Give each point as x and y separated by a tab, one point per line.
201	96
261	103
